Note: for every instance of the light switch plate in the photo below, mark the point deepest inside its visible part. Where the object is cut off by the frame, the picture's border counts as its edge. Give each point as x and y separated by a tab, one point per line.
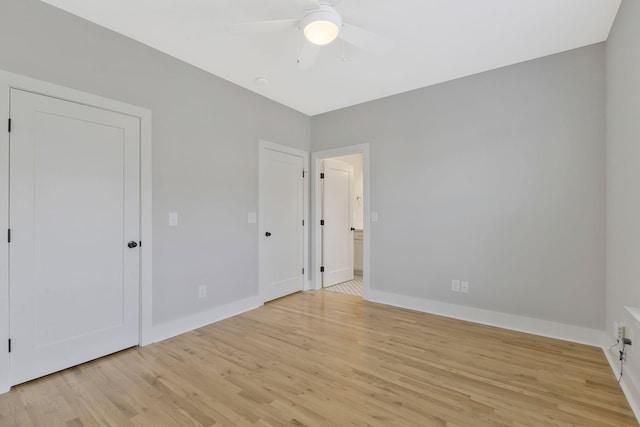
464	287
455	285
173	219
252	218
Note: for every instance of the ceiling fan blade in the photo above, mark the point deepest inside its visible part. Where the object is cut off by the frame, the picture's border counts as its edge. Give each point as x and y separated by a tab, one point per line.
345	7
262	26
349	8
365	40
308	56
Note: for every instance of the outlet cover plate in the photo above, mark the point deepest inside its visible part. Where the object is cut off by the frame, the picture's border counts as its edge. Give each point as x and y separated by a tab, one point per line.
173	219
202	291
618	331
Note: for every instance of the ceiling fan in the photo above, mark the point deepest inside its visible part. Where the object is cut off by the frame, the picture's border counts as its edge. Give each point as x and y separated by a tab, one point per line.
320	24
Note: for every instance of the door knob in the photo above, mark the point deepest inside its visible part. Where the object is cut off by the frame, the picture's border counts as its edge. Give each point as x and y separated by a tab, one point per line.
353	229
132	244
267	234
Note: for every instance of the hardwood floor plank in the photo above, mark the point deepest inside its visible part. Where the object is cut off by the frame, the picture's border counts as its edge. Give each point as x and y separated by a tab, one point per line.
330	359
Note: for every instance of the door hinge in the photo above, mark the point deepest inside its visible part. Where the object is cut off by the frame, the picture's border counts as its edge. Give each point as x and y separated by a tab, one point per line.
303	173
9	235
303	222
140	243
9	345
9	126
321	269
322	175
303	271
322	222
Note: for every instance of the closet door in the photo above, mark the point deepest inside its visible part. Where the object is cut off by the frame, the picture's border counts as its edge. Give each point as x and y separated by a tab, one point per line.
281	225
74	217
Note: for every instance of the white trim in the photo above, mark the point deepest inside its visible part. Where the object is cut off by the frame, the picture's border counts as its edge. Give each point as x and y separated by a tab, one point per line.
627	383
182	325
514	322
266	145
146	230
9	81
316	157
4	225
633	311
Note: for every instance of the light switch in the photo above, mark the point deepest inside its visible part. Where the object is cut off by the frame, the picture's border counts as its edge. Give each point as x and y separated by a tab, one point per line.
374	216
464	287
252	218
173	219
455	285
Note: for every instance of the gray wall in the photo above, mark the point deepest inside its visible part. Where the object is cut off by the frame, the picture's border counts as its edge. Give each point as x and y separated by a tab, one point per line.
205	146
497	179
623	174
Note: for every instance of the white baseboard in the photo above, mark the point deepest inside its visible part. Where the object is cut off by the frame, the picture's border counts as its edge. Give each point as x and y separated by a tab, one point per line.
176	327
628	382
514	322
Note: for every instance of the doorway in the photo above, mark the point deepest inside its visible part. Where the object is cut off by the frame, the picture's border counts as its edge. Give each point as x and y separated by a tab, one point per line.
341	219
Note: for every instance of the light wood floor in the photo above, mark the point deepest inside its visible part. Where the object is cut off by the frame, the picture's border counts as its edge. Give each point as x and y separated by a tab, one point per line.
322	358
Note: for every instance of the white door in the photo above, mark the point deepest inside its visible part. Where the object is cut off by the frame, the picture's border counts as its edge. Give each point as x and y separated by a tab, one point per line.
337	214
281	223
74	207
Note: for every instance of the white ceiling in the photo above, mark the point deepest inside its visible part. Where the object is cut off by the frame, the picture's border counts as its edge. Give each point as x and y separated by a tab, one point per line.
435	41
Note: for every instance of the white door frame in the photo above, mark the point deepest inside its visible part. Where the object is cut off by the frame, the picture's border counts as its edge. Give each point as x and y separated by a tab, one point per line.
316	157
266	145
10	81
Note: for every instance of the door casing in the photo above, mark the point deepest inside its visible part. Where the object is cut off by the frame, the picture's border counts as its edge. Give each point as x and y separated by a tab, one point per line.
316	214
10	81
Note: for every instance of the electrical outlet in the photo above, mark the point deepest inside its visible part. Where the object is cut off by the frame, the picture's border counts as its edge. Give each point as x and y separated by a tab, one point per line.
455	285
464	287
202	291
618	330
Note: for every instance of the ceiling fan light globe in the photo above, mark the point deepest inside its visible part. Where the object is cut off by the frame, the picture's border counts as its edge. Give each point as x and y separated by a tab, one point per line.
321	32
322	25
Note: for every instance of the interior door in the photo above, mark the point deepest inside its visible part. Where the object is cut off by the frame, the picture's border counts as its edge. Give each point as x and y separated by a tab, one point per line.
281	228
74	218
337	214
